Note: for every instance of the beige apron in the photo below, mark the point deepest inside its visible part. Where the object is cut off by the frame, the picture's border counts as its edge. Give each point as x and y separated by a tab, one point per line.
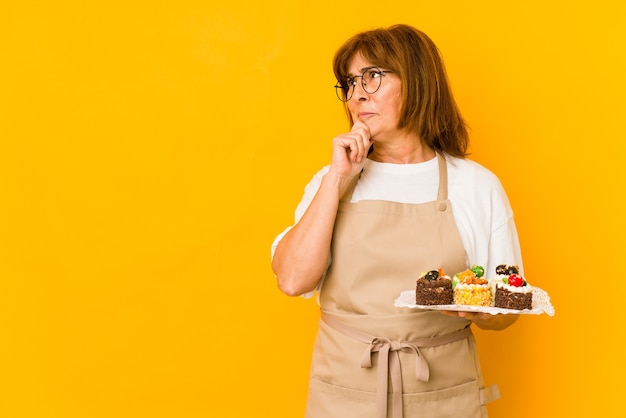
372	359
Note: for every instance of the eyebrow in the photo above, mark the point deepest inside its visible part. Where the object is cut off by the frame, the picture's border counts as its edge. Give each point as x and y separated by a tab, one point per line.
364	69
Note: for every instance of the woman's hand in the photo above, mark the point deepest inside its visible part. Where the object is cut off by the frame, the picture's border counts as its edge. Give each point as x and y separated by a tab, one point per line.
486	320
350	150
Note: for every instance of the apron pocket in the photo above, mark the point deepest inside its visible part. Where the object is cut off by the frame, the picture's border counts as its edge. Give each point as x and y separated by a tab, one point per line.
331	401
462	401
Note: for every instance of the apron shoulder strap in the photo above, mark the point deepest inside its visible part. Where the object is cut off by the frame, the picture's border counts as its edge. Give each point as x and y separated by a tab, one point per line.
442	194
347	194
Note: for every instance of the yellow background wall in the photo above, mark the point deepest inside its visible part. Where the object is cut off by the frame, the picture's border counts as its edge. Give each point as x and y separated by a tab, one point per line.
151	150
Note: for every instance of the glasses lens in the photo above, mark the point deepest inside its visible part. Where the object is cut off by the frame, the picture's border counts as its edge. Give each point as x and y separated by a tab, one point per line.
371	80
344	91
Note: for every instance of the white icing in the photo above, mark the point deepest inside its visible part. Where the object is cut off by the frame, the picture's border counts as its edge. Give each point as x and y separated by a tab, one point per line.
522	289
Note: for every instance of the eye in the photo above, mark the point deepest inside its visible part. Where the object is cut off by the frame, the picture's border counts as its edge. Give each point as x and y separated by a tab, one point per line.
373	74
350	82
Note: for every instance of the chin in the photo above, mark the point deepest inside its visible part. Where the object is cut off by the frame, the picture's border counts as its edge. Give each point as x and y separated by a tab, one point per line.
373	133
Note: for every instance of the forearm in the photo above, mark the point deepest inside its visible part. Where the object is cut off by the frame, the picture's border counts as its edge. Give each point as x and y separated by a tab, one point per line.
301	257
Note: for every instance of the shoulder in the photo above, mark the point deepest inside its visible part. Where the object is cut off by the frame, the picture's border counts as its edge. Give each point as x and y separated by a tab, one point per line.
464	171
478	195
475	184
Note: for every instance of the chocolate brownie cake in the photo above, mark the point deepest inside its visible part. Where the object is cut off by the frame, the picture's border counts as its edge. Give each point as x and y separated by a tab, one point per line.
433	288
511	289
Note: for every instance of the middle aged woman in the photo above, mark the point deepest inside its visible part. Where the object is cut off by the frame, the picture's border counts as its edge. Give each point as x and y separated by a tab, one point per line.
398	198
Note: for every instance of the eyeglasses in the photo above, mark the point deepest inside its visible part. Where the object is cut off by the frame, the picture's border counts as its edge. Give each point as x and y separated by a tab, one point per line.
371	78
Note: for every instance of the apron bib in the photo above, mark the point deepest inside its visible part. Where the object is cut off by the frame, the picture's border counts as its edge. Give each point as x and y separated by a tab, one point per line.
372	359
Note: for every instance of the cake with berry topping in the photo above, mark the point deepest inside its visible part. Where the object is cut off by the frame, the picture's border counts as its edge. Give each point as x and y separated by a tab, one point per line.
433	288
511	291
471	288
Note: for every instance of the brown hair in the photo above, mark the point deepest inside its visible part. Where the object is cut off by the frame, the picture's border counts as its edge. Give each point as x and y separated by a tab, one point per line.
429	108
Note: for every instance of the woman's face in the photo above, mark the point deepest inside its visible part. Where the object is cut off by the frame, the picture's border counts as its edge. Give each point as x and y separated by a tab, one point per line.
380	111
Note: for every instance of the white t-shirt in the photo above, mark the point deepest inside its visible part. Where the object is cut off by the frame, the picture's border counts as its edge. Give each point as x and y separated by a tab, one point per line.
480	206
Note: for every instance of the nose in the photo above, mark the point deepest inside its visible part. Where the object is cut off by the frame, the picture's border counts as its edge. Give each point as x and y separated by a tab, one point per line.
359	92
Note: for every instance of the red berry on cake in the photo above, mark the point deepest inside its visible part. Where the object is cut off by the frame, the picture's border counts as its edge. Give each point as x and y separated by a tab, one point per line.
516	280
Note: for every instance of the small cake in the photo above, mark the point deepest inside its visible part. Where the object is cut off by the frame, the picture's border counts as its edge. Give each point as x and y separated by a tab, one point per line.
470	288
511	290
433	288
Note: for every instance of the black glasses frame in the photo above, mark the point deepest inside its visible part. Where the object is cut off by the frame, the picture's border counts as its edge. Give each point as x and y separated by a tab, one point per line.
344	93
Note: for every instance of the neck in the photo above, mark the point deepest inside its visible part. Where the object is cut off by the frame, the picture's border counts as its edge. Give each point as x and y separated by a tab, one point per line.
404	152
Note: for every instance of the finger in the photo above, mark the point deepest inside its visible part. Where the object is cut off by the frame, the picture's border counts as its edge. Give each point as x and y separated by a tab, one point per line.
357	155
362	129
351	144
362	135
360	124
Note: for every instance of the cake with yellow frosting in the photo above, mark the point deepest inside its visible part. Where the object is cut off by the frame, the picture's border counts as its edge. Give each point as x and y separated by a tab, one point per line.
471	288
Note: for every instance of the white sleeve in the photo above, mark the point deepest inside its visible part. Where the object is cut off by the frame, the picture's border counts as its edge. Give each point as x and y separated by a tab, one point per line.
504	247
309	193
484	217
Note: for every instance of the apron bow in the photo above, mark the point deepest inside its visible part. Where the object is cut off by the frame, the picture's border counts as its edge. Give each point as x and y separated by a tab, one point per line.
389	365
422	373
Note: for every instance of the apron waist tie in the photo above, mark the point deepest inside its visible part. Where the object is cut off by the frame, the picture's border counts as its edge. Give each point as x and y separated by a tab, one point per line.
390	365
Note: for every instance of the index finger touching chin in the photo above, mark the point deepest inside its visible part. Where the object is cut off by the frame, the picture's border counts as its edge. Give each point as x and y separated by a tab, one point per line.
359	124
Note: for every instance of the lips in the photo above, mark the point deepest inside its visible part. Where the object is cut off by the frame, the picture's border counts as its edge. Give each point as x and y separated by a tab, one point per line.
365	115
